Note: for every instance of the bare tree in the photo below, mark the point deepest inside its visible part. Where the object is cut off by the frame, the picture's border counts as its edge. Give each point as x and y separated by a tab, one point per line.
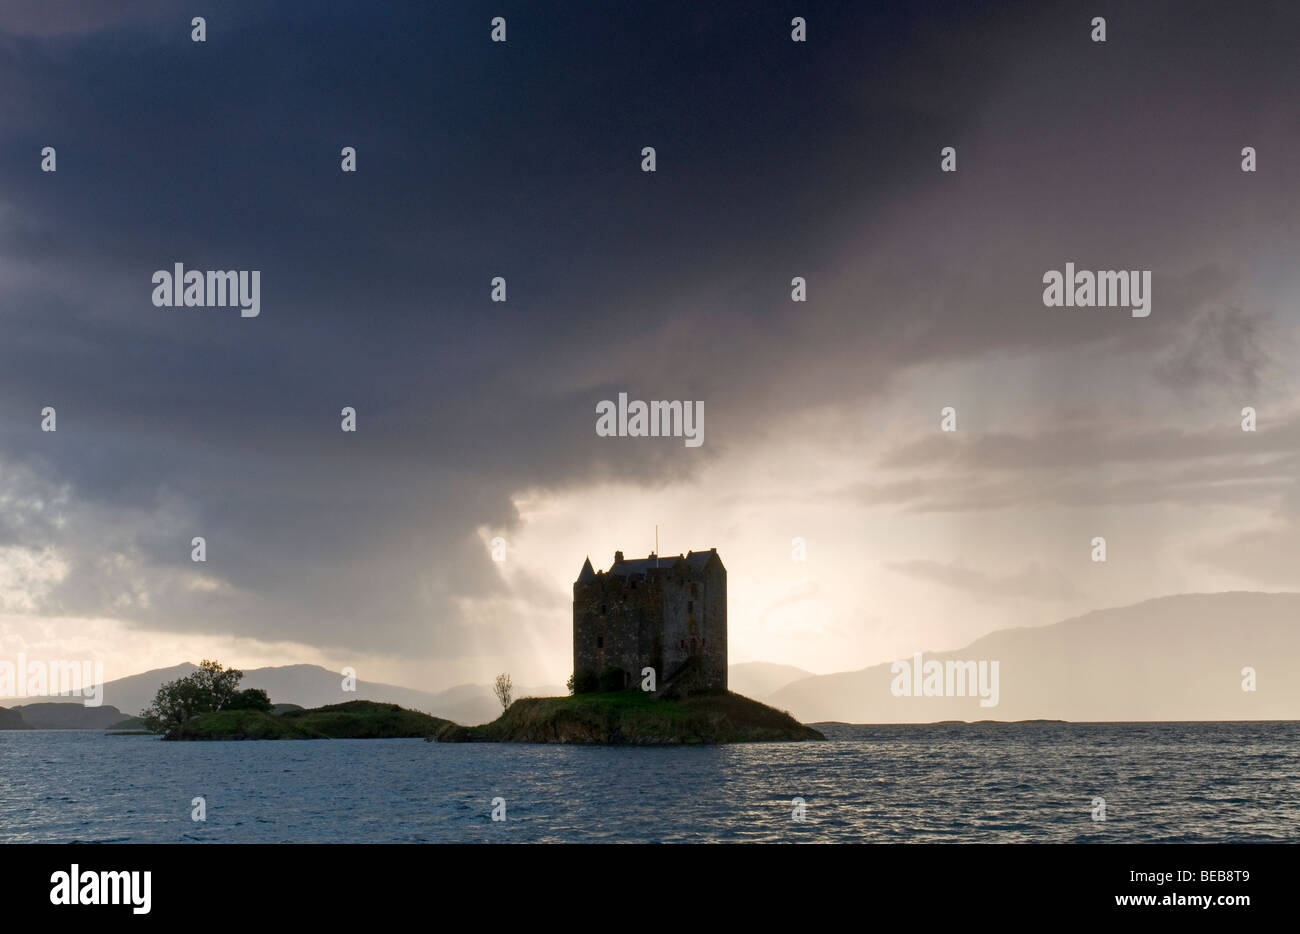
503	690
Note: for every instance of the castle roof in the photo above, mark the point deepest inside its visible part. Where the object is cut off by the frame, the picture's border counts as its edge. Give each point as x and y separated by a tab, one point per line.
695	561
587	573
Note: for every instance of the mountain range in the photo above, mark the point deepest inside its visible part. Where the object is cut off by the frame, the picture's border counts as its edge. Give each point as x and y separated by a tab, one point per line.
1173	658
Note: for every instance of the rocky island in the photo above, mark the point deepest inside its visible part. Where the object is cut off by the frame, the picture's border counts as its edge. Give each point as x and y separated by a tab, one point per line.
633	717
618	718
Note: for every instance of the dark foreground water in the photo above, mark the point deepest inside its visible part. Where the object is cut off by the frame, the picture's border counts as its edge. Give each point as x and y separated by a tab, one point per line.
1188	782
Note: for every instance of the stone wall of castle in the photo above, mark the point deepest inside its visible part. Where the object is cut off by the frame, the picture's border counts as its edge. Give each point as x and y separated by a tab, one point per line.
658	619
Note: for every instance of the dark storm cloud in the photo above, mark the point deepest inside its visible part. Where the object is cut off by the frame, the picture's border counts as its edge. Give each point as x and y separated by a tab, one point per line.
1092	445
521	160
1225	349
49	18
1091	464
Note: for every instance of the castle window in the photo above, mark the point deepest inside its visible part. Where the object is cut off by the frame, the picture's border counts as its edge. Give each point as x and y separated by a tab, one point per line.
602	609
690	606
600	642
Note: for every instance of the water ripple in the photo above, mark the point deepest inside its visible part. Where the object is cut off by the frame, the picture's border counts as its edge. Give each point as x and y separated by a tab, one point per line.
1189	782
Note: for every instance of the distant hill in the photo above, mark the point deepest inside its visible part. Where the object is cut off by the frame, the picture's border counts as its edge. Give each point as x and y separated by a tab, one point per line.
12	720
759	679
1173	658
313	686
64	716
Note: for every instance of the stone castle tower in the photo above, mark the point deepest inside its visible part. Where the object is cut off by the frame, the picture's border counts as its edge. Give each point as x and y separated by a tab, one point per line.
665	613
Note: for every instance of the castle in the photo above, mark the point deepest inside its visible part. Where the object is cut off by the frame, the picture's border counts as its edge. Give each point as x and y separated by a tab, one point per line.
665	613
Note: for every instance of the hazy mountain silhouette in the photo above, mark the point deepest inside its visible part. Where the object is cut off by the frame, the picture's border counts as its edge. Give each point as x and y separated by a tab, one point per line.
1172	658
12	720
312	686
65	716
759	679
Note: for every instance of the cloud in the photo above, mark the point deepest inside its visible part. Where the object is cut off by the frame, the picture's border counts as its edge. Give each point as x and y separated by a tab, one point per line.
1226	352
26	577
1264	553
1263	556
1090	462
63	18
182	422
1034	582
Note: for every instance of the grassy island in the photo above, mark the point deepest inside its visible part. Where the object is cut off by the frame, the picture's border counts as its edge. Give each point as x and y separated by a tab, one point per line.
351	720
635	718
616	718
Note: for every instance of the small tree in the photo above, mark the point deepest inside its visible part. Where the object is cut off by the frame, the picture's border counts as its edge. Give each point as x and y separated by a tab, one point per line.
584	682
217	686
250	699
175	702
503	689
209	688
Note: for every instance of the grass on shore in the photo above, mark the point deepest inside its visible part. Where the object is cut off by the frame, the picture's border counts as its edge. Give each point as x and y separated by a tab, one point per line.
634	716
620	717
